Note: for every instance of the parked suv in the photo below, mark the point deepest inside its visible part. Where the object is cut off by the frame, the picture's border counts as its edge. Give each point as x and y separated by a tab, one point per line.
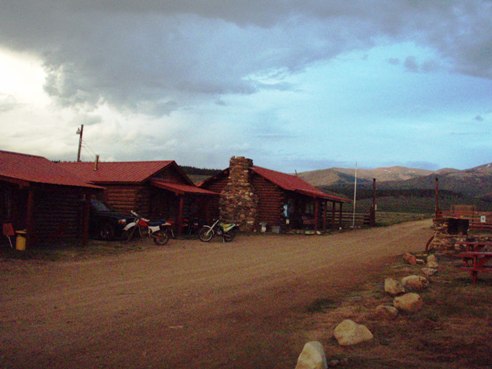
106	223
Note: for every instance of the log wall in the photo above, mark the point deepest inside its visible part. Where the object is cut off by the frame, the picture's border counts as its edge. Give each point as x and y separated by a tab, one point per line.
57	214
271	201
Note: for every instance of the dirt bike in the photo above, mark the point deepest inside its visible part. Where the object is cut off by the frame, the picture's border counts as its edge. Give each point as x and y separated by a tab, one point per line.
143	227
226	230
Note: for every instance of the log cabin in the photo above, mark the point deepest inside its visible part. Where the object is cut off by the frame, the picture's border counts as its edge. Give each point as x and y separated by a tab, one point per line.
154	189
45	200
259	198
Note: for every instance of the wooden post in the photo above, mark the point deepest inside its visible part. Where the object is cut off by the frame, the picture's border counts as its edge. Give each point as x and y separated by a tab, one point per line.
436	196
180	215
372	215
333	210
325	209
340	215
316	214
30	217
85	218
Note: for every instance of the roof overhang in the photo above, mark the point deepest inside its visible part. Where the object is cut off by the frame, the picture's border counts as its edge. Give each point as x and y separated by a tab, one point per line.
182	189
322	196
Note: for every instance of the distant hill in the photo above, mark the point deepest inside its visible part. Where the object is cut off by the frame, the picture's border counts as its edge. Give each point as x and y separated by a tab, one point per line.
199	174
409	189
342	176
474	182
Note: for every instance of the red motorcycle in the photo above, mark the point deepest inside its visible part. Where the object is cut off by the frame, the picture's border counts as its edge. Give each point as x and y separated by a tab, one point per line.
158	231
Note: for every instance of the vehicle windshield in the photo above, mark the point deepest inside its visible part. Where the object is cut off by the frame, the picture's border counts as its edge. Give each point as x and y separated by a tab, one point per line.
99	205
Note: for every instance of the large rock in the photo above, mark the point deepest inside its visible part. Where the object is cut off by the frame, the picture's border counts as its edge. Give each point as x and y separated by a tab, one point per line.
429	271
393	287
409	302
312	357
432	262
349	333
414	283
409	258
386	312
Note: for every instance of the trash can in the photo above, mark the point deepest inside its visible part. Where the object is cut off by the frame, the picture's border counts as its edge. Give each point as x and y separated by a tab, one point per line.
263	226
20	241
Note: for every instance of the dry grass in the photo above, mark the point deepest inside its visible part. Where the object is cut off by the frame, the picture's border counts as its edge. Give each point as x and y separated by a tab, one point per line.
453	330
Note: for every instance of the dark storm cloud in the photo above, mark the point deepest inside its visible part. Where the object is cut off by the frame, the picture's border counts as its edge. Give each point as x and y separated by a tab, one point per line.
156	56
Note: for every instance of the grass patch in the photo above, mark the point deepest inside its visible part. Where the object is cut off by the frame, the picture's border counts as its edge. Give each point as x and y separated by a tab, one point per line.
72	251
452	330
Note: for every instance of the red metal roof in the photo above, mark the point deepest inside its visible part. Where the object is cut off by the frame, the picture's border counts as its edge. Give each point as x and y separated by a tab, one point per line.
293	183
120	172
36	169
182	188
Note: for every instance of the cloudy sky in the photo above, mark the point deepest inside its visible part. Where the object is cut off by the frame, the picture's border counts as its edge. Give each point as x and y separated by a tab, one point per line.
292	84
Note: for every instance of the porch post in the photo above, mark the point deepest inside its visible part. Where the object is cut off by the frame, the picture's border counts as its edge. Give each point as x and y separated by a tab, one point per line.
85	218
180	215
325	209
340	215
333	204
316	214
30	216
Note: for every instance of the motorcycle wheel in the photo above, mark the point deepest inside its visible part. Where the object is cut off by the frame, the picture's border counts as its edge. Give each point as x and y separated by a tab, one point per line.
128	235
106	232
160	238
229	236
205	234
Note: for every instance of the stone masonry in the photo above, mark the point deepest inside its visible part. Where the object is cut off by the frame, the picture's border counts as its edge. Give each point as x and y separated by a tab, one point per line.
239	201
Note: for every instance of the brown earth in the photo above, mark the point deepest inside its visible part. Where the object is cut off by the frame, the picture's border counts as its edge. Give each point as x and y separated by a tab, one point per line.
189	304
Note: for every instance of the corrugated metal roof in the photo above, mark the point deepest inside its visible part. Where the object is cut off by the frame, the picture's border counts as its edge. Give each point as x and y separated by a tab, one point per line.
36	169
293	183
182	188
120	172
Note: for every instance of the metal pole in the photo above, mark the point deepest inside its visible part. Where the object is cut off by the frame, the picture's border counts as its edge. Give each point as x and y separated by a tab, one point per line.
80	132
355	197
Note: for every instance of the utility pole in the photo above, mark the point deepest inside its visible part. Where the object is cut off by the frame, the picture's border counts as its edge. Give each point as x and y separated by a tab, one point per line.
80	132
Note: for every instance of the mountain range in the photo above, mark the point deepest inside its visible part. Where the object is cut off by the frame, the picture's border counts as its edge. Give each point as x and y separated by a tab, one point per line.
475	182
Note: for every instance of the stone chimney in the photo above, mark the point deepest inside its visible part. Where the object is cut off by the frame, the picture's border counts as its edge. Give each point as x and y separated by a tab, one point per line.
239	201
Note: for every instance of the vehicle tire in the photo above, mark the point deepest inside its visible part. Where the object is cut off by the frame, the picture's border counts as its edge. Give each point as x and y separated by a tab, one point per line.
128	235
160	238
205	234
106	232
229	236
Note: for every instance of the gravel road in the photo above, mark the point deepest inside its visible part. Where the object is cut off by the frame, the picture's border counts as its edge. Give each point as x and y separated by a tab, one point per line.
186	305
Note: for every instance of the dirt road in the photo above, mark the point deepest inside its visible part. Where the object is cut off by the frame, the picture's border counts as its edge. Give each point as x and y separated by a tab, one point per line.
189	305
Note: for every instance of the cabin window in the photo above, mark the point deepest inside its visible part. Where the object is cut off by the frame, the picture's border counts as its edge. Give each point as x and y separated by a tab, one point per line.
309	210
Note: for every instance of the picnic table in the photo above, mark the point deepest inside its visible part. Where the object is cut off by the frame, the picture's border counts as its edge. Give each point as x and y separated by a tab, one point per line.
475	245
475	262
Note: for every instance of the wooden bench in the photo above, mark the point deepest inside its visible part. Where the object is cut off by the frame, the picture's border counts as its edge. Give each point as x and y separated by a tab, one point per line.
475	262
474	226
475	245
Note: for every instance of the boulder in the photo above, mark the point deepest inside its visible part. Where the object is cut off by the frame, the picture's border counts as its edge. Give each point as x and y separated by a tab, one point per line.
349	333
432	262
312	357
428	272
393	287
387	312
409	258
409	302
414	283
